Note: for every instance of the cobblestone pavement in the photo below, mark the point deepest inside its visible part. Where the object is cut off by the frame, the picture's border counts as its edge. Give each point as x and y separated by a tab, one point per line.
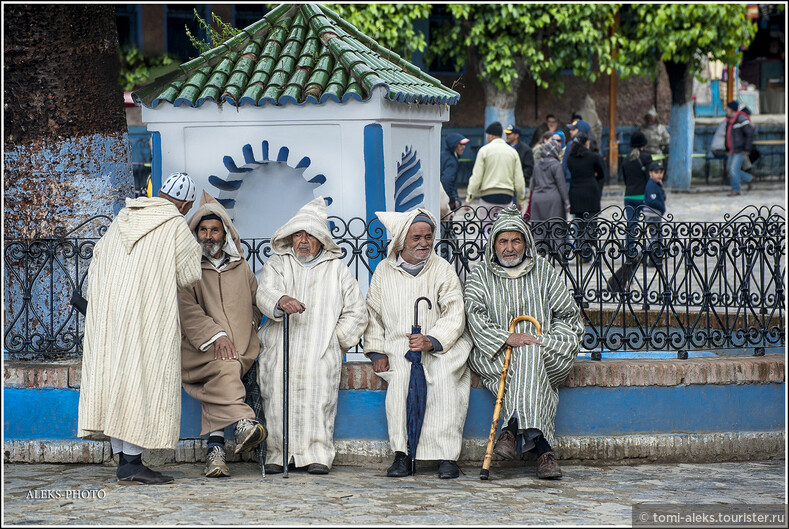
587	495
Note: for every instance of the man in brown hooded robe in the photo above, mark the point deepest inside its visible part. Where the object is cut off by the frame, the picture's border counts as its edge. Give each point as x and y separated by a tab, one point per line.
219	320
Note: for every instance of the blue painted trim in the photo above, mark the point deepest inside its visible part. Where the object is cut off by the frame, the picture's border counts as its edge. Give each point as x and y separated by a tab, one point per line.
156	162
51	413
374	178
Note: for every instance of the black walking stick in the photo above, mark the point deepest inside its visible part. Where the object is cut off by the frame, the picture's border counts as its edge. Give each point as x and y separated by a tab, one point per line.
285	347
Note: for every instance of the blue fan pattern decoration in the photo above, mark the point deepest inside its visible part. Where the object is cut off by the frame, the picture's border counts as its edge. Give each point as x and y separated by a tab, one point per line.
408	183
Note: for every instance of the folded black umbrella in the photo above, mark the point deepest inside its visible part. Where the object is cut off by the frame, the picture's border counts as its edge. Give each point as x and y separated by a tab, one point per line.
78	302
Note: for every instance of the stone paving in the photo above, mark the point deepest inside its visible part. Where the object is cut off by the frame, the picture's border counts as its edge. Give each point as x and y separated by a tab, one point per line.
587	495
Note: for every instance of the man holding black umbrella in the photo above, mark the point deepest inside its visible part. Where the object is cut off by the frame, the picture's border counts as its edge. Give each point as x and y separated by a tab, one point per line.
412	270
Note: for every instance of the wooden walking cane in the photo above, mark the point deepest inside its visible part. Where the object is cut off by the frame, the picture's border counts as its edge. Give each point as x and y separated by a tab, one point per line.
485	472
285	347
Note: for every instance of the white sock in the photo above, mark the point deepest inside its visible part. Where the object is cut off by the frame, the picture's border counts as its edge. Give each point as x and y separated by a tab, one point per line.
117	445
218	433
131	450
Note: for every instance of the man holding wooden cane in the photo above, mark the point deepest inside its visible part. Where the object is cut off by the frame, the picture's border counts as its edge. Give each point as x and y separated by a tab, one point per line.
513	280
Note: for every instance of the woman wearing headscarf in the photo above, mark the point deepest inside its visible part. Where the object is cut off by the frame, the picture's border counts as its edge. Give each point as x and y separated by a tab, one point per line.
549	198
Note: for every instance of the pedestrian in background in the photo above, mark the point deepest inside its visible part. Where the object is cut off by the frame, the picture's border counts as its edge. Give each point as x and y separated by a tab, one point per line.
654	209
454	146
549	199
551	125
513	135
587	174
656	134
739	142
634	173
496	177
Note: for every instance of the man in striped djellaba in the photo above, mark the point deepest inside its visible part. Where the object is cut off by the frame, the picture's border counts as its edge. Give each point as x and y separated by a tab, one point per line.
512	281
306	279
131	363
412	270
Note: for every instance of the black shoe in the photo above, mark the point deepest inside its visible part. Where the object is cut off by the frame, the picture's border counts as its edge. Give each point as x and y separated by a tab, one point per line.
401	466
272	468
448	470
146	477
317	468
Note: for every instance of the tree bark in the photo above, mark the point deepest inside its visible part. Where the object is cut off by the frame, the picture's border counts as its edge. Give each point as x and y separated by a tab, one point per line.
67	151
681	126
68	156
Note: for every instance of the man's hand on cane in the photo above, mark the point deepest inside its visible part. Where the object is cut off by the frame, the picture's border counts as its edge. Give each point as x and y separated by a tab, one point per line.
518	339
291	305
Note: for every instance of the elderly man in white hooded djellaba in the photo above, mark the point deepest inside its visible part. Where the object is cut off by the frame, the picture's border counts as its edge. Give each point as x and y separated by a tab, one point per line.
412	270
306	279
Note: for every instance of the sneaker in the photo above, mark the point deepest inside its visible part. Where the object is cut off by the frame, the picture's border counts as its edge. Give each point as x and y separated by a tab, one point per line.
733	194
505	446
249	433
317	468
547	467
215	466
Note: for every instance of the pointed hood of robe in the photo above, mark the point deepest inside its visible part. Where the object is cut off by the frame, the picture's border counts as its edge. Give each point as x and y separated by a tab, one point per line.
208	205
313	219
397	224
510	220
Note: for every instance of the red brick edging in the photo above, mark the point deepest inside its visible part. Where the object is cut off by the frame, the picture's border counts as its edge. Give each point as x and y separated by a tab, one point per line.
606	373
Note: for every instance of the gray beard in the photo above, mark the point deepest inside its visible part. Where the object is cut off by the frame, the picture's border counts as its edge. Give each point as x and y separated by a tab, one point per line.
308	259
518	260
210	249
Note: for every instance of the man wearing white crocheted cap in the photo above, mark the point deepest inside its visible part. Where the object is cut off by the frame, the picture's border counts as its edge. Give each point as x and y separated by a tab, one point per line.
131	364
306	279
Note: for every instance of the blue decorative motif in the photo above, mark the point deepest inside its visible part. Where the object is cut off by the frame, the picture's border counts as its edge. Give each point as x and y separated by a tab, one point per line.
230	186
273	190
408	183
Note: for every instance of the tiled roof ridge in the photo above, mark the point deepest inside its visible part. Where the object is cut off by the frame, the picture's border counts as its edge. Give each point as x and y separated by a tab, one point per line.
297	53
387	54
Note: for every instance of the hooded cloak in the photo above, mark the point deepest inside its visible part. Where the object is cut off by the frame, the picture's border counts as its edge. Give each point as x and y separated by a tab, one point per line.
493	300
334	320
223	301
131	368
390	305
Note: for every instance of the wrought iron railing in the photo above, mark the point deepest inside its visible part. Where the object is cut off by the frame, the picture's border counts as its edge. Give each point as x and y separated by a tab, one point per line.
694	285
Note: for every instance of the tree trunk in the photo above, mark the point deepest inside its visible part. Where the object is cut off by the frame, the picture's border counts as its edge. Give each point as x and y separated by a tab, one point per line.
681	126
67	158
67	152
500	104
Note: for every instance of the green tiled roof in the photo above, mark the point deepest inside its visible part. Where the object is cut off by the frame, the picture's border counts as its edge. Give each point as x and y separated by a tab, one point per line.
297	53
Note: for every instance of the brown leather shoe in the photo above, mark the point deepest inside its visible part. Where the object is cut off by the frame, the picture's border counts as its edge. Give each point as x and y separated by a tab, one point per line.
547	467
505	446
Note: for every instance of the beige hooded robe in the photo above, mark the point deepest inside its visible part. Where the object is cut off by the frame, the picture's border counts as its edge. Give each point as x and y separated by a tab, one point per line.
333	322
222	301
390	305
131	363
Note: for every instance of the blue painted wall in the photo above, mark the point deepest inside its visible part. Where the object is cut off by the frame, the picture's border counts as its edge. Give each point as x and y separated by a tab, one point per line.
374	179
51	413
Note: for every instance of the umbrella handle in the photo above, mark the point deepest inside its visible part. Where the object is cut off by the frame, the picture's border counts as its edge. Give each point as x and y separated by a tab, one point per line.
416	309
485	472
286	348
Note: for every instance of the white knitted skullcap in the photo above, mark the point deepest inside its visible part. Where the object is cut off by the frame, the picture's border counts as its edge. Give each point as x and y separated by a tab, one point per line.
180	187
